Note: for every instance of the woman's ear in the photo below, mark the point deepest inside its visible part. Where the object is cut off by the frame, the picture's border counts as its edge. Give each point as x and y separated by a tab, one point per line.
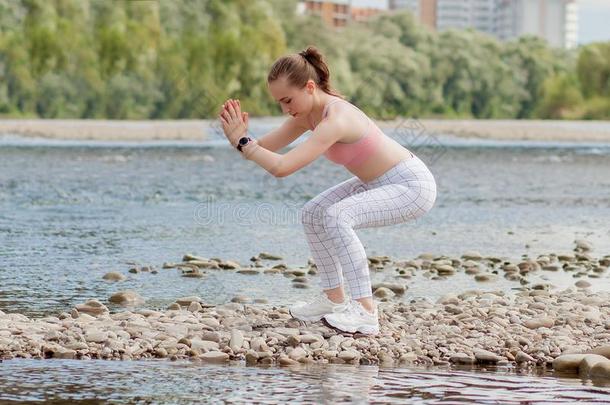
311	86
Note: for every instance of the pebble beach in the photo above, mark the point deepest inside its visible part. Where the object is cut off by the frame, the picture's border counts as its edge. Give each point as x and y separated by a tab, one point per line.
566	331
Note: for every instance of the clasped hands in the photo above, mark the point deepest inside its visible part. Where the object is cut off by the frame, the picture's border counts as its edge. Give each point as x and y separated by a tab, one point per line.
234	121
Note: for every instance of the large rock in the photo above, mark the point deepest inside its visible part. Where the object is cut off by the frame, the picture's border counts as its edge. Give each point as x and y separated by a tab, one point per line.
485	356
211	336
383	293
186	301
523	357
92	307
473	255
269	256
601	370
349	355
590	361
397	288
297	354
126	298
461	358
568	363
214	357
114	276
63	353
205	345
583	245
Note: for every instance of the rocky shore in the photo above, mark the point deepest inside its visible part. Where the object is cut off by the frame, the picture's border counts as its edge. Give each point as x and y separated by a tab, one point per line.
568	330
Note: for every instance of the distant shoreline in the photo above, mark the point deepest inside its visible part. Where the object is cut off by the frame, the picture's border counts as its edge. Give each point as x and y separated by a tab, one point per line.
199	130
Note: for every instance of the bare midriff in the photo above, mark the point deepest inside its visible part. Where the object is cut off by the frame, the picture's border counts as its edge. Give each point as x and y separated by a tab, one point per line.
388	155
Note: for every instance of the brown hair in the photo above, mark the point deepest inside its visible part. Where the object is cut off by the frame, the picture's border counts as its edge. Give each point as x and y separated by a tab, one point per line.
300	67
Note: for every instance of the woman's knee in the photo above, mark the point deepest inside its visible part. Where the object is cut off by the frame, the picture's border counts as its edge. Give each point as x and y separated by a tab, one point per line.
312	213
336	216
428	197
422	204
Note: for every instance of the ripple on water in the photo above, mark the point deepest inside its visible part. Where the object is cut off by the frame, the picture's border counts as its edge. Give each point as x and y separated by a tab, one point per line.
164	381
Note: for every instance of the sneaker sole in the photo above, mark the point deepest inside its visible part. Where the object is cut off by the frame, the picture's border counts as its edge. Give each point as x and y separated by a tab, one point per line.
306	318
365	330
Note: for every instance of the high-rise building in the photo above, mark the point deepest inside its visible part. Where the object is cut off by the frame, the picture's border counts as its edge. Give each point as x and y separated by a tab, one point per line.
554	20
478	14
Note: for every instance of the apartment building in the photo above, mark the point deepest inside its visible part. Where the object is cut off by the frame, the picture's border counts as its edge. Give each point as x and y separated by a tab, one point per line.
334	13
554	20
361	14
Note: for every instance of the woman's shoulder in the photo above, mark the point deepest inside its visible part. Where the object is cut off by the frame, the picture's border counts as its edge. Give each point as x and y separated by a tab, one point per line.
344	111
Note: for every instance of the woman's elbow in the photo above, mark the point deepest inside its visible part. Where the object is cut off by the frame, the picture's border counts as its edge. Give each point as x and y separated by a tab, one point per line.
278	171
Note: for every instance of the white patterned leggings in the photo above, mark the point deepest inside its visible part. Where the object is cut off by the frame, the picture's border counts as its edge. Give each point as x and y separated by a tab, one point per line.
405	192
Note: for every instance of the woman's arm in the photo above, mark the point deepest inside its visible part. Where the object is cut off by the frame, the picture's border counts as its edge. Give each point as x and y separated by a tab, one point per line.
323	137
283	136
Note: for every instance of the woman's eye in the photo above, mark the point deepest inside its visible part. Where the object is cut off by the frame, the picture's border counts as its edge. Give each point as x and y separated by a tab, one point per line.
288	102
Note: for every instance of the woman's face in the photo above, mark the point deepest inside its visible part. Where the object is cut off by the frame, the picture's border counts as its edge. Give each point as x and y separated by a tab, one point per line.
293	101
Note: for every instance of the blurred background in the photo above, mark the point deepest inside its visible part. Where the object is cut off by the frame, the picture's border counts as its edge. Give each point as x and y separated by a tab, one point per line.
418	58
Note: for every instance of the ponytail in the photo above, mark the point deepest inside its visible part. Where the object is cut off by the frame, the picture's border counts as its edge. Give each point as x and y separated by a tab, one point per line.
299	68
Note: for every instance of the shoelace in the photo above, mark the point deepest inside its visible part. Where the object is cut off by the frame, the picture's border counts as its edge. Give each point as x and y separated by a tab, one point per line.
356	306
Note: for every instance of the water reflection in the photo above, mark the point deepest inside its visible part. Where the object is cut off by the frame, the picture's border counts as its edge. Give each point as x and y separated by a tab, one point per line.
177	382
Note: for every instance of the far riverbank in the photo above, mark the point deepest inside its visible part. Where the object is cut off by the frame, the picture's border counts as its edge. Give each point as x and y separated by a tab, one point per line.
199	130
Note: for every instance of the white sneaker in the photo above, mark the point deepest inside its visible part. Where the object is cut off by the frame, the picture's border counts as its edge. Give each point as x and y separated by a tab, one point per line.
316	309
355	319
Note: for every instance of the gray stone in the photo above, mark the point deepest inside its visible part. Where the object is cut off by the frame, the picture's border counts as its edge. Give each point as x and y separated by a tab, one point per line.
545	322
126	298
601	370
205	345
523	357
92	307
186	301
214	357
460	358
568	362
588	362
383	292
485	356
114	276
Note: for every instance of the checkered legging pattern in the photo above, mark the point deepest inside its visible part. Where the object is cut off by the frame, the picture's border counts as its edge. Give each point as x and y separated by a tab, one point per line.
405	192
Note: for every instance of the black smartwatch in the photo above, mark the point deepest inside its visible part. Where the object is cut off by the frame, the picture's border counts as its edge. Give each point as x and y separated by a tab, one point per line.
243	141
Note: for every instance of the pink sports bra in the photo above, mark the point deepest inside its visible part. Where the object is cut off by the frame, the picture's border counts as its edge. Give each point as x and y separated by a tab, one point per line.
355	153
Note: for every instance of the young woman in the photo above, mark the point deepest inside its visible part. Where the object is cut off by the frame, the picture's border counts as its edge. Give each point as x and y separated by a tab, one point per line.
390	185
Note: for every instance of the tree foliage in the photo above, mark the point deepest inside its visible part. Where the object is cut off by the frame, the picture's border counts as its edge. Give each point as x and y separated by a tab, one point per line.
181	59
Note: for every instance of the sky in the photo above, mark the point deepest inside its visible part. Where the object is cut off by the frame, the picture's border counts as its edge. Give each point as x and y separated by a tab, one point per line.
593	21
593	16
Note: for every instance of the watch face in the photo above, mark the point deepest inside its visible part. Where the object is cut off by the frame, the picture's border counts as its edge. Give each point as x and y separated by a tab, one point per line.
243	141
